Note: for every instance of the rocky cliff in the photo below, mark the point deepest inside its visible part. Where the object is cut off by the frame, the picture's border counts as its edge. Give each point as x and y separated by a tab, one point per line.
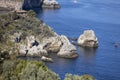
49	4
28	36
19	32
16	30
29	4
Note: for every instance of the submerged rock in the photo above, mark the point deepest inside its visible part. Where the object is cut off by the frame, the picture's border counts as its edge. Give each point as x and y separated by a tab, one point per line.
50	4
67	50
88	39
116	45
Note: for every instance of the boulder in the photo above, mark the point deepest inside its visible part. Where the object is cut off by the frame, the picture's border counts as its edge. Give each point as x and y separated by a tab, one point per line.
43	58
50	4
88	39
22	50
67	50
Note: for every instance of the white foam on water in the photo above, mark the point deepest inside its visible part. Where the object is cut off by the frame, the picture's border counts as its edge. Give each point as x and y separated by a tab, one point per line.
75	1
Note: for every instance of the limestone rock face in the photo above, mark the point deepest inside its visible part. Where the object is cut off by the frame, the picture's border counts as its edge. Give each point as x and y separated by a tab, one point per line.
50	4
67	50
32	48
53	44
37	51
16	37
30	41
22	49
88	39
33	51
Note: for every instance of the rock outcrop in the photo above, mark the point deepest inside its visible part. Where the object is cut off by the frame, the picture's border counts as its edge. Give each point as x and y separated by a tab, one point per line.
32	48
67	50
50	4
60	45
43	58
88	39
53	44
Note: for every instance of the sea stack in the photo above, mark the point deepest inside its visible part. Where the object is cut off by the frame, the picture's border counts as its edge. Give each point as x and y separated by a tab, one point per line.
88	39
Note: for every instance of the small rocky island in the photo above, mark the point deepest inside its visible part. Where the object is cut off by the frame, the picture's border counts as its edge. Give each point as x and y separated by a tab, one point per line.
88	39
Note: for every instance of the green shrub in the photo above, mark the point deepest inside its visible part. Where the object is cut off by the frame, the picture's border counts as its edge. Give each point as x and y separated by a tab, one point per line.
31	13
8	70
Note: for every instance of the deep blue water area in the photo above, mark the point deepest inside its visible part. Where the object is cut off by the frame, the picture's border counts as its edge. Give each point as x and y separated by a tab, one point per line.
75	16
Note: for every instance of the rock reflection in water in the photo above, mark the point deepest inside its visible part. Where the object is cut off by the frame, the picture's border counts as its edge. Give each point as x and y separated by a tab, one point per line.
87	53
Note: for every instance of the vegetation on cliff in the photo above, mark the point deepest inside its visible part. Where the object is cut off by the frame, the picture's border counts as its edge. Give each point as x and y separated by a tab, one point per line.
26	70
11	23
32	70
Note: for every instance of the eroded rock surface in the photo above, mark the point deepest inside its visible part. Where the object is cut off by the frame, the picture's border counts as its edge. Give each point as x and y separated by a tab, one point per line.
67	50
88	39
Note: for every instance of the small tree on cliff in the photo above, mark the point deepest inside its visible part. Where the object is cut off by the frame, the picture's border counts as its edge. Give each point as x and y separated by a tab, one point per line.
31	13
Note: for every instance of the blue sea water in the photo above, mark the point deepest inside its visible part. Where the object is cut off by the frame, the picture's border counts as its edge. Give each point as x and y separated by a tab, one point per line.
75	16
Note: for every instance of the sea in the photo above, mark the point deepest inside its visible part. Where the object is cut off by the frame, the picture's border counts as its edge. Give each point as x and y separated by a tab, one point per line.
75	16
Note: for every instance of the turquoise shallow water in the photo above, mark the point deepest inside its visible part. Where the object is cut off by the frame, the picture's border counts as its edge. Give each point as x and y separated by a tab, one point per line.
75	17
